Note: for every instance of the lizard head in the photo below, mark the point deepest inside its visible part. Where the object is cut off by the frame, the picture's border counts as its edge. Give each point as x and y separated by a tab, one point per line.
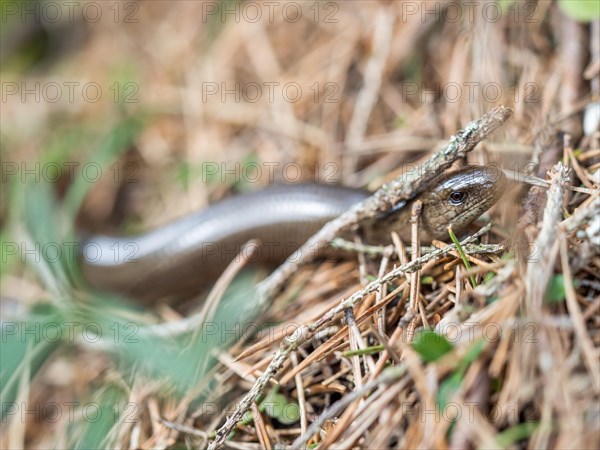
460	197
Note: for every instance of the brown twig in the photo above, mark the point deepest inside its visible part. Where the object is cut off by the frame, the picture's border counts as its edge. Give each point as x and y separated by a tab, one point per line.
540	268
368	95
590	355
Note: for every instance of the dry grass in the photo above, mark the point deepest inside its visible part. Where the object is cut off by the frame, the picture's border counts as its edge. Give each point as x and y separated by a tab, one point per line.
522	370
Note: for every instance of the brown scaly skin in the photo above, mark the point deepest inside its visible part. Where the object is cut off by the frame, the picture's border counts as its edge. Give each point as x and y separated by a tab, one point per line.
456	198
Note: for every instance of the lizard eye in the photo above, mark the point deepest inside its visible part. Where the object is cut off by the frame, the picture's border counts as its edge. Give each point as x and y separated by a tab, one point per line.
457	197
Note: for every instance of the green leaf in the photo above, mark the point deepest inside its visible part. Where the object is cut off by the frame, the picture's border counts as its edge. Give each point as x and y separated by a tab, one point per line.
42	246
183	174
364	351
556	290
515	434
462	254
427	280
473	353
488	277
490	300
100	417
278	406
430	345
580	10
10	253
453	383
247	418
26	345
290	414
183	361
117	141
447	389
506	4
399	122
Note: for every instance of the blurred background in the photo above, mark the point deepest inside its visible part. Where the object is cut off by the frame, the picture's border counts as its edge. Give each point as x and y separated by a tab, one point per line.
117	117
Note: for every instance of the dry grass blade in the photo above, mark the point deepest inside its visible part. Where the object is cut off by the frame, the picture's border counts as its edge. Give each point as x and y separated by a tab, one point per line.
587	346
303	333
540	269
